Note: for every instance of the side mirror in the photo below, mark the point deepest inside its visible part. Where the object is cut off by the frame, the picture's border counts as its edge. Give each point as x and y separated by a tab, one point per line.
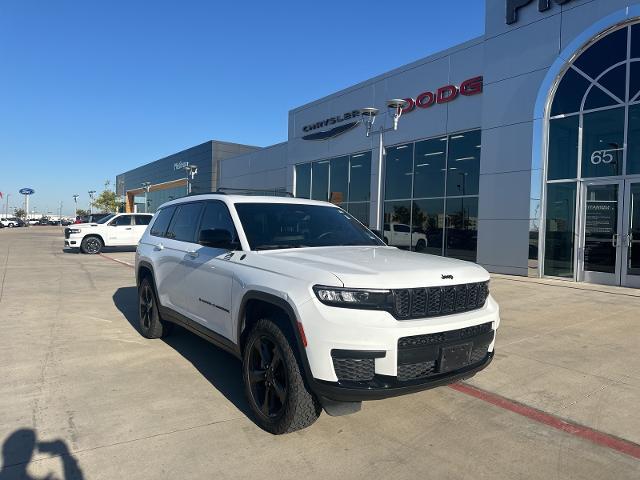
216	238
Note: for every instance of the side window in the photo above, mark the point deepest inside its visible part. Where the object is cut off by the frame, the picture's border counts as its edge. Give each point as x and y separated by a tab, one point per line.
401	228
160	224
142	219
122	221
184	223
217	217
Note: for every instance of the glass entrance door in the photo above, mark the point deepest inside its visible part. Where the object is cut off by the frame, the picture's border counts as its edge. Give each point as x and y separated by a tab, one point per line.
600	252
631	236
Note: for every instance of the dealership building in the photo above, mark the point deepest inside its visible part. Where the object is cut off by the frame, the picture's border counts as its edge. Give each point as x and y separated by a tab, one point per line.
519	150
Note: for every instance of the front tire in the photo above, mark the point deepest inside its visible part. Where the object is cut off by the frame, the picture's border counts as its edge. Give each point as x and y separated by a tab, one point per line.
274	385
151	325
91	245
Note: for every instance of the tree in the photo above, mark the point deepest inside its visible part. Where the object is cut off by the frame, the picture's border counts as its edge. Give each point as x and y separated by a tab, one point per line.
81	212
20	213
107	201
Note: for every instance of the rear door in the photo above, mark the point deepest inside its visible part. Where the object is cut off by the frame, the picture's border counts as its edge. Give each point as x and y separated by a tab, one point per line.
164	259
180	242
140	223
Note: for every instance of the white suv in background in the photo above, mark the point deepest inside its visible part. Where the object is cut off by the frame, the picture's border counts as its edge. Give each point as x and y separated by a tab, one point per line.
115	230
320	311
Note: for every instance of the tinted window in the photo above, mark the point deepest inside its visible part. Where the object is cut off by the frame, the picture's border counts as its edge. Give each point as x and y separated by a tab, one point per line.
123	220
142	219
463	175
613	48
401	228
303	180
339	180
563	148
429	169
633	156
320	180
360	178
462	228
270	226
216	217
360	211
160	224
399	172
603	143
184	223
561	204
568	97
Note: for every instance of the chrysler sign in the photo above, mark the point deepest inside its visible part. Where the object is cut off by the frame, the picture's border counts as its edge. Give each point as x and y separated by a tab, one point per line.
339	124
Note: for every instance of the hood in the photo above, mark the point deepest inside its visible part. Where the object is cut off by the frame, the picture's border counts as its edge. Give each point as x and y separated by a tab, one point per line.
382	267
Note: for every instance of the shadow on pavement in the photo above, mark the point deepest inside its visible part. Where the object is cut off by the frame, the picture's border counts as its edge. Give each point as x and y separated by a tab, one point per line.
104	250
19	447
220	368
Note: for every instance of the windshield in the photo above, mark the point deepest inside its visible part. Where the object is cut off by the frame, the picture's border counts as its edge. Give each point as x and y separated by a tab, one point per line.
272	226
106	219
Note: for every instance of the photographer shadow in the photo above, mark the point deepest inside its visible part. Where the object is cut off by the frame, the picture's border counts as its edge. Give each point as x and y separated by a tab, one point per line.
17	453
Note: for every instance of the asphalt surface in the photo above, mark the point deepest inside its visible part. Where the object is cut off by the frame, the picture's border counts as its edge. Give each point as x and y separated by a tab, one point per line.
83	395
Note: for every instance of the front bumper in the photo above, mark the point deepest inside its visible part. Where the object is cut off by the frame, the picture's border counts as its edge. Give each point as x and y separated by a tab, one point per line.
382	387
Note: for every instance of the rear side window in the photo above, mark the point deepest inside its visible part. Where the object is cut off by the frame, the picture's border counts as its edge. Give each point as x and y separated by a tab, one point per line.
184	222
123	220
217	217
142	219
159	227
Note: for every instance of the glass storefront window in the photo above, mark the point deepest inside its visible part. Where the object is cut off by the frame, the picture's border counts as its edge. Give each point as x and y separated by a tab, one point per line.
320	180
399	172
339	179
303	180
463	164
360	177
429	168
563	148
603	143
560	229
461	238
360	210
633	153
428	225
397	220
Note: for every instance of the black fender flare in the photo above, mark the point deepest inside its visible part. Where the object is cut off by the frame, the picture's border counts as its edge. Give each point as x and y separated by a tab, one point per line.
291	317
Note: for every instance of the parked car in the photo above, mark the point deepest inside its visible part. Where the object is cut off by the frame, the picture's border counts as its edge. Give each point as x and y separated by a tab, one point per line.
114	230
320	311
400	235
12	222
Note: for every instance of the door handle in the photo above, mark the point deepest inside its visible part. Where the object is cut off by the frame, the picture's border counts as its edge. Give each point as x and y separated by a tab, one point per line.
158	247
128	228
615	240
192	253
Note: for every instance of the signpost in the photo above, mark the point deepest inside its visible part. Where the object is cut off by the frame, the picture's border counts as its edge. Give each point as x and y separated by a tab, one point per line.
26	192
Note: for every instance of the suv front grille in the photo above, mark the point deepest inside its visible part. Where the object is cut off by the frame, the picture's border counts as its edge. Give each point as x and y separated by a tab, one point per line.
435	301
354	369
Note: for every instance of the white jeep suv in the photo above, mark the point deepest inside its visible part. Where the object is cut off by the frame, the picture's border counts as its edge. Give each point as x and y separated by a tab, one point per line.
115	230
320	311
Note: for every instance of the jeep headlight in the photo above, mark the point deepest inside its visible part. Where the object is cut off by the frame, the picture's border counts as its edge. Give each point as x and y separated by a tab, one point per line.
366	298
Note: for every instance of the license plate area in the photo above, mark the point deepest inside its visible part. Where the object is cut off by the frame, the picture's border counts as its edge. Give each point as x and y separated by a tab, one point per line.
454	357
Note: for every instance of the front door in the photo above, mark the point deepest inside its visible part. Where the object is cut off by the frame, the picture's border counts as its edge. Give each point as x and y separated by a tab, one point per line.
610	233
631	235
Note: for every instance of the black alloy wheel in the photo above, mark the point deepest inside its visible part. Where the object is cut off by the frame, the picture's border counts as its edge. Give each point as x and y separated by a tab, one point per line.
92	245
151	325
268	377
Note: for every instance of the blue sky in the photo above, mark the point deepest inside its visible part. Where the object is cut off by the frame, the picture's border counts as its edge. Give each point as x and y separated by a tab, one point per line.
90	89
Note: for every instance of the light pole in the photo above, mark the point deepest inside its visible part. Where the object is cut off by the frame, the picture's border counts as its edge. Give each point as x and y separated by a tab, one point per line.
6	209
192	171
75	206
368	119
146	186
91	194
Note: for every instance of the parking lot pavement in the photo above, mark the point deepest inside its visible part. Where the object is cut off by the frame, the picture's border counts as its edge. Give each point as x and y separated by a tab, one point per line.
83	395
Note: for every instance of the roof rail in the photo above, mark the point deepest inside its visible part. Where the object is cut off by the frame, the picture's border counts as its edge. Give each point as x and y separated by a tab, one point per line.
267	192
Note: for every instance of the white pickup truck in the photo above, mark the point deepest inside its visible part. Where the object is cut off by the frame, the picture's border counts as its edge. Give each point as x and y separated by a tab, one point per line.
115	230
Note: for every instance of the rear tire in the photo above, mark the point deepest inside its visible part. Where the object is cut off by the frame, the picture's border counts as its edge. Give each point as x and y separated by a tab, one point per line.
274	385
91	245
150	322
421	245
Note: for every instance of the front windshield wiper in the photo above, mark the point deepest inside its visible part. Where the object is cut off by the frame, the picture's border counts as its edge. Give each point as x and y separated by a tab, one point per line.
278	247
